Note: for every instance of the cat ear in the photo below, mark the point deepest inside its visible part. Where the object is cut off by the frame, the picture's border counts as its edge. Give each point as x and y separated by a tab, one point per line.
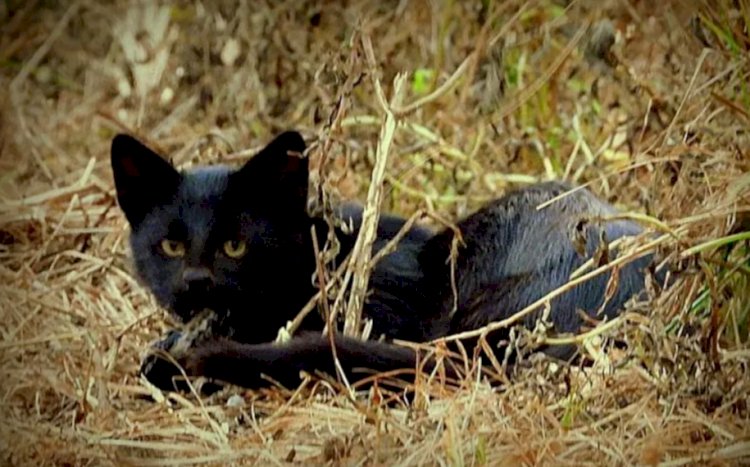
279	170
143	178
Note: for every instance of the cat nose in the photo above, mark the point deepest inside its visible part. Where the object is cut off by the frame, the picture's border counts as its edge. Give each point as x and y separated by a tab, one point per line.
197	278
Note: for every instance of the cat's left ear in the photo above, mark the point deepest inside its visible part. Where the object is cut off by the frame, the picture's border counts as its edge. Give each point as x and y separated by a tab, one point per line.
279	171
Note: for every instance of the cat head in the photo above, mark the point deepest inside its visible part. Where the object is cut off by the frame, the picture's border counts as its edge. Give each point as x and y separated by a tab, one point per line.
213	237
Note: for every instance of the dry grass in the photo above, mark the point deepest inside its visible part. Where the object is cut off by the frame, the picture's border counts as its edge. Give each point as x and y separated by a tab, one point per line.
658	124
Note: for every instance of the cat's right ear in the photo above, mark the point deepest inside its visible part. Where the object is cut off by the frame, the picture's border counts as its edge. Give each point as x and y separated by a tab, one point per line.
279	172
143	179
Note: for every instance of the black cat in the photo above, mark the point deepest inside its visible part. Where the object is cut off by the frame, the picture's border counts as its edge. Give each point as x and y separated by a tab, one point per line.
238	243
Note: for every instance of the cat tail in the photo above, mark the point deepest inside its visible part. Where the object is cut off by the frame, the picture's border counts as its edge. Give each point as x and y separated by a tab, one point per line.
258	365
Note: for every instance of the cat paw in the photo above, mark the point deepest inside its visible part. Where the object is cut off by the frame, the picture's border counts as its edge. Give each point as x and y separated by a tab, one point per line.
164	373
170	361
161	370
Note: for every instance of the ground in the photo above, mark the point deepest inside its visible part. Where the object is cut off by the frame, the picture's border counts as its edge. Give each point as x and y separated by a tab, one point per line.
647	103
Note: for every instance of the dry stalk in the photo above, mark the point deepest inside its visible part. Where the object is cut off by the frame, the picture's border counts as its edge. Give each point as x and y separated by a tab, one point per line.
362	250
293	325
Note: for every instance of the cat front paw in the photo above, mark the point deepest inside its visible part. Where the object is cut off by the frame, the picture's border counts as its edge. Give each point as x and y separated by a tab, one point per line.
173	358
163	372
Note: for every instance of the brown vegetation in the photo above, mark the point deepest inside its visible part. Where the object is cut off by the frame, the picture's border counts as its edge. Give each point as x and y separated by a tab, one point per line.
646	102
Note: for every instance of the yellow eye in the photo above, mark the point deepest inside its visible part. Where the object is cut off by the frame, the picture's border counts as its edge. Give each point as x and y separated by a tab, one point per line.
235	248
172	248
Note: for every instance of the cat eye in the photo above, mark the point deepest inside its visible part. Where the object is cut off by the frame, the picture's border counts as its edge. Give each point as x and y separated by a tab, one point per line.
172	248
235	248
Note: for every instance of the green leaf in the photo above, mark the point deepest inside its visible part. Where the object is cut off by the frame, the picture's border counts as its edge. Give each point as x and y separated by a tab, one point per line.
422	80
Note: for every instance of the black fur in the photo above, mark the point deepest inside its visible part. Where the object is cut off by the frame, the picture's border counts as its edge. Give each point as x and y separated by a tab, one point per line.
512	254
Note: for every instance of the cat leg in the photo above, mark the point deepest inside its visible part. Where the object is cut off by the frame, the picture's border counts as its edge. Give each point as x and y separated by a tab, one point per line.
257	365
160	365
